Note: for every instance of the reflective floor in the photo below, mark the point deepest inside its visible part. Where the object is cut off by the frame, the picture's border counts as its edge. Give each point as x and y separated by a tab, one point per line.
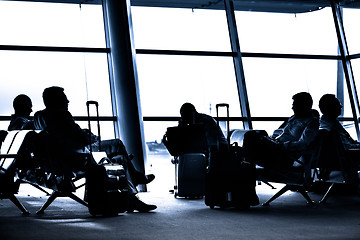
289	217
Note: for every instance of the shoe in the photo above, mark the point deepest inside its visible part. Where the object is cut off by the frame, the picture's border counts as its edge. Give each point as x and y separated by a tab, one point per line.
143	179
149	178
137	204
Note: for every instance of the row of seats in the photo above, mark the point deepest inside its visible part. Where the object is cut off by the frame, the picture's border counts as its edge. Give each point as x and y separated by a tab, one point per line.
323	164
19	164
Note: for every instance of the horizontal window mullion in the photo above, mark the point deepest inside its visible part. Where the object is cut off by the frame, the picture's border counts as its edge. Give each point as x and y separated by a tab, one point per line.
354	56
185	53
258	119
76	118
233	54
291	56
53	49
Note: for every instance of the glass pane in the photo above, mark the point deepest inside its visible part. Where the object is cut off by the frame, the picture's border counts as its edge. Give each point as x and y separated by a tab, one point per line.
50	24
83	76
106	128
166	82
351	19
180	29
271	83
305	33
355	64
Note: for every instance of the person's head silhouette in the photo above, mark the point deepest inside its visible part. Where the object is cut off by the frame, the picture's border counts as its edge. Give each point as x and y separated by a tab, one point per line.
330	106
302	104
188	113
22	105
55	98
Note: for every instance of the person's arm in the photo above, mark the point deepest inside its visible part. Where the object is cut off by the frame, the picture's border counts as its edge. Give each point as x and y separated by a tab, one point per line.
307	137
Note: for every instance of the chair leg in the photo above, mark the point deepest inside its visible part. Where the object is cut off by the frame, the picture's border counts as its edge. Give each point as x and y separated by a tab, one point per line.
56	194
278	194
270	185
37	186
52	197
326	196
306	196
18	204
77	199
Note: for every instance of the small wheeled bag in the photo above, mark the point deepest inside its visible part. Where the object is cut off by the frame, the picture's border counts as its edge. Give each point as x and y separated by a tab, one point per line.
106	191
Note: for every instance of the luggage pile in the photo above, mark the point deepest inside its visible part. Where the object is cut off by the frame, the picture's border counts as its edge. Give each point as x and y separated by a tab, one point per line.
221	175
230	181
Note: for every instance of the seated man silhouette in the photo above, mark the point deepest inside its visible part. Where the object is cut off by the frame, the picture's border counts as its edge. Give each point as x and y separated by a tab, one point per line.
298	133
20	120
70	138
331	107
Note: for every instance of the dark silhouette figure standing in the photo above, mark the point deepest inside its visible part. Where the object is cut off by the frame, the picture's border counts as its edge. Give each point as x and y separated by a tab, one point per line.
58	122
20	120
298	133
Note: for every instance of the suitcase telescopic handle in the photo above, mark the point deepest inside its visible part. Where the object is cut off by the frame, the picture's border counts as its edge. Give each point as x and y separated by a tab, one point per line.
222	105
88	103
226	105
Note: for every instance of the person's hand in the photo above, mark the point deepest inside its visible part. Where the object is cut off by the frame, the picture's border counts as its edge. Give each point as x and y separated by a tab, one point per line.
93	138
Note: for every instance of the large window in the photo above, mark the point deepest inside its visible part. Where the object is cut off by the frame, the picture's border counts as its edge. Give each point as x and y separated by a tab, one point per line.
168	81
271	83
51	24
304	33
180	29
82	73
351	19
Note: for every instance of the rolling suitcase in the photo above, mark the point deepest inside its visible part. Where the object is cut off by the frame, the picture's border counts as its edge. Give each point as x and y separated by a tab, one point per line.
230	182
190	170
106	191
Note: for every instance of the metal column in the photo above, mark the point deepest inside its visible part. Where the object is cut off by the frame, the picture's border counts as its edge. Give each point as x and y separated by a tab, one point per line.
349	77
238	65
124	79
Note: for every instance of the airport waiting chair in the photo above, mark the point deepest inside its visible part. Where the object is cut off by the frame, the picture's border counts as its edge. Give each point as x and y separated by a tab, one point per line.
60	178
296	178
332	163
10	148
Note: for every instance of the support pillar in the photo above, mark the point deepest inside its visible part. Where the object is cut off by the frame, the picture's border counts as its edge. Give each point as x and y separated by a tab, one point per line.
124	79
348	73
238	65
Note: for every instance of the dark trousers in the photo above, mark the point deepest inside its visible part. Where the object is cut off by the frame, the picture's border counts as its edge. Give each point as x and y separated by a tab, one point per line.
260	149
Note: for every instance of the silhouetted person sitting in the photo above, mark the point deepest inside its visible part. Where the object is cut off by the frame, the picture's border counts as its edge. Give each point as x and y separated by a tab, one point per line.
20	120
58	122
297	135
331	107
213	133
